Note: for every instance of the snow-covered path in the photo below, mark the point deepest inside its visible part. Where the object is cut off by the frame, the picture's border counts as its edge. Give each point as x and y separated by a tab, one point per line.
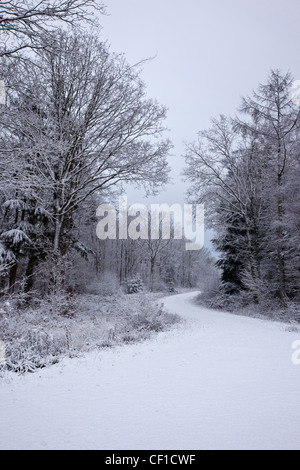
220	382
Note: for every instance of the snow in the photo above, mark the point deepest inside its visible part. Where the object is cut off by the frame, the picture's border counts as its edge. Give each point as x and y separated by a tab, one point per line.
220	381
15	236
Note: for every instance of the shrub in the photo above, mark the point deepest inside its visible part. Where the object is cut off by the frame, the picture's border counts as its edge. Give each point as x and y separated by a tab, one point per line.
37	335
134	285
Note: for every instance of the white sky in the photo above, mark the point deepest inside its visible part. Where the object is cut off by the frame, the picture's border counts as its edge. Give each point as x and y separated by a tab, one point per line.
209	53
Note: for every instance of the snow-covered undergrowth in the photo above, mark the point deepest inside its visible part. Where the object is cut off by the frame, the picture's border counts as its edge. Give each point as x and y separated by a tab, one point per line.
242	304
39	335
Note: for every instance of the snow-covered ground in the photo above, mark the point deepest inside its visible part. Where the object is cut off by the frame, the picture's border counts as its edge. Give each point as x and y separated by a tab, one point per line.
219	382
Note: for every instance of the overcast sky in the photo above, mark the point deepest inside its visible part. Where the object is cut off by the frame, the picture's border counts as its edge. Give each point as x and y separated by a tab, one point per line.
209	53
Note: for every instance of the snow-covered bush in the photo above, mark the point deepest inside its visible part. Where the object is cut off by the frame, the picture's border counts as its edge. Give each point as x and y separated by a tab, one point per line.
242	304
37	335
134	285
62	304
35	349
171	287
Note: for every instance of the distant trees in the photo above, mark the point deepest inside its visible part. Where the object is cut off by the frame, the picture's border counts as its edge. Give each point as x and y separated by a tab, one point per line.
245	169
162	265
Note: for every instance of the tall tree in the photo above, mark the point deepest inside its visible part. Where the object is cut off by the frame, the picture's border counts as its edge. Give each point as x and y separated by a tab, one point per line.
274	116
224	176
78	121
245	169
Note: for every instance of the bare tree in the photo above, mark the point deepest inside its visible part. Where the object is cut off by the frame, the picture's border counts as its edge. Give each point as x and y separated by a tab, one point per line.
23	23
224	171
76	122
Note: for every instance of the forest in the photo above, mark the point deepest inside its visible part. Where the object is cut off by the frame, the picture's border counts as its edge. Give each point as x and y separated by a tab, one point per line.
77	127
247	169
149	227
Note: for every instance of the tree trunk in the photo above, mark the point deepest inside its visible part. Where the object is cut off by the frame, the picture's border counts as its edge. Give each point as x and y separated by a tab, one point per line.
29	274
252	265
152	266
121	263
58	226
12	278
280	255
